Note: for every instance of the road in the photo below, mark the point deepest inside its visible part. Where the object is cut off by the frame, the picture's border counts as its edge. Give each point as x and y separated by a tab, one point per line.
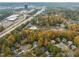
26	50
19	23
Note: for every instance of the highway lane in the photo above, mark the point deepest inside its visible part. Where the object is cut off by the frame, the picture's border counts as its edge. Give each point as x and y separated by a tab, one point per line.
19	23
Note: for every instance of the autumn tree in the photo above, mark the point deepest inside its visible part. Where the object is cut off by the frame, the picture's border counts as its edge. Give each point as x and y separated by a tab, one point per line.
76	40
74	27
11	39
76	52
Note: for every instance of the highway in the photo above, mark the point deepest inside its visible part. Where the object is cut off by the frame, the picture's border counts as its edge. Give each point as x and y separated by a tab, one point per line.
19	23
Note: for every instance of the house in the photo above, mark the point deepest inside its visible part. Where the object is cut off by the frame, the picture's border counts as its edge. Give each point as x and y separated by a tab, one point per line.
64	40
53	42
29	25
69	43
24	48
58	40
73	47
35	43
47	53
63	46
62	25
42	49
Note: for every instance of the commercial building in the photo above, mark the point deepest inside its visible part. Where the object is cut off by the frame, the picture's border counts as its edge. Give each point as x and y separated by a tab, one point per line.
12	17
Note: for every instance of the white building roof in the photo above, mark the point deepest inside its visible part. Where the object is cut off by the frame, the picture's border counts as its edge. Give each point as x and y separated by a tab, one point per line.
12	17
33	27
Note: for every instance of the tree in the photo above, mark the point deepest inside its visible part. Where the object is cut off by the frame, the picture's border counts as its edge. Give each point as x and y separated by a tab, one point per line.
17	46
17	35
46	42
76	52
76	40
28	54
53	50
74	27
6	51
37	51
1	28
11	39
40	42
69	34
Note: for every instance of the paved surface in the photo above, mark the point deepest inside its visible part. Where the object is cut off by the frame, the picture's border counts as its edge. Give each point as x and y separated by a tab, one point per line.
25	51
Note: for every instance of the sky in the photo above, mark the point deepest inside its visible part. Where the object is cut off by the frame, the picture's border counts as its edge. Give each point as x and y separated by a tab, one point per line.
39	0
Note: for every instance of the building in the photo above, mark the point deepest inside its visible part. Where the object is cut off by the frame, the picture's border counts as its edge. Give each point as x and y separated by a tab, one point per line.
33	27
12	17
25	6
9	20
